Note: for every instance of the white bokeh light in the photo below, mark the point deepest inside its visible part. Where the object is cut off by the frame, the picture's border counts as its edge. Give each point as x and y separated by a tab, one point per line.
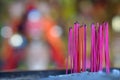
6	32
56	31
16	40
116	23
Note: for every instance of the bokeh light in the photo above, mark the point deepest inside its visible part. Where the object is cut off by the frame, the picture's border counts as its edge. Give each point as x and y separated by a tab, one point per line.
16	40
116	23
34	15
6	32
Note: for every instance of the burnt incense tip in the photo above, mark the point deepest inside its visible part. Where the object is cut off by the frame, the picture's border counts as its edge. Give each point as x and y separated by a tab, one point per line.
81	26
70	28
100	25
77	47
85	25
106	23
92	23
103	22
76	22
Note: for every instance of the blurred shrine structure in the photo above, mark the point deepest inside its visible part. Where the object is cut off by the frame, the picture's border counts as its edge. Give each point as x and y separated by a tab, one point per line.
35	41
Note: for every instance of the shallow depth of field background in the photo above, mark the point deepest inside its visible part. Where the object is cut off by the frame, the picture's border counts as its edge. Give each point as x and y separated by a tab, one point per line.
33	33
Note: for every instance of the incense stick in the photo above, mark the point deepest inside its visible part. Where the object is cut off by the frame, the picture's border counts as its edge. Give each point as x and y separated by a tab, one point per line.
71	48
92	47
107	60
69	35
101	48
80	50
77	48
77	51
84	47
97	49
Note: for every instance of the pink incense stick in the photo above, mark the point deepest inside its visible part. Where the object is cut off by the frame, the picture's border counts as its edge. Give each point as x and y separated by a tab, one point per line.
75	51
94	54
92	47
91	53
77	44
95	49
74	48
71	48
71	39
84	64
77	48
107	57
101	49
98	46
68	50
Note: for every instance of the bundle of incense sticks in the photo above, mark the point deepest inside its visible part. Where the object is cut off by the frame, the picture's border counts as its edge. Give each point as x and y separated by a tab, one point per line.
99	48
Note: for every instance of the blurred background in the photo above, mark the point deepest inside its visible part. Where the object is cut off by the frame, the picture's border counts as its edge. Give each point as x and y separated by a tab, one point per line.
33	33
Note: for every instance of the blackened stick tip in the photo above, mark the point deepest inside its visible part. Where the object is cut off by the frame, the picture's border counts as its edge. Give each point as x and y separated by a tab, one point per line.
70	28
92	23
85	25
76	22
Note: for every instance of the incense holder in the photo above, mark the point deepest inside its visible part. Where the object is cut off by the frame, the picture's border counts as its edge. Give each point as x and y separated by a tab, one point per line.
114	75
60	75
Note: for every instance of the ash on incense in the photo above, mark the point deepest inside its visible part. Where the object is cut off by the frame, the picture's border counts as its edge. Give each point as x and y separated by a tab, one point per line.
100	75
87	76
